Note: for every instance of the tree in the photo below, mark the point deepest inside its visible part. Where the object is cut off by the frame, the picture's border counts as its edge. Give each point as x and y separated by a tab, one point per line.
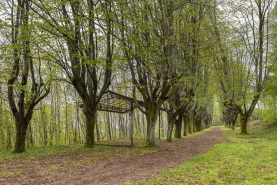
25	66
78	53
254	36
149	47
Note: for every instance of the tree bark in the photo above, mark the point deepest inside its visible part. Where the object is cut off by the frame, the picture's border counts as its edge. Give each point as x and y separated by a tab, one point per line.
91	116
151	117
170	123
21	131
186	122
109	126
192	121
234	121
178	126
20	138
190	126
97	128
131	128
243	124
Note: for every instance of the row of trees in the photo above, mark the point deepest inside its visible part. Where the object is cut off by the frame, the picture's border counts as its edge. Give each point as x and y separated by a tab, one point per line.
56	55
246	62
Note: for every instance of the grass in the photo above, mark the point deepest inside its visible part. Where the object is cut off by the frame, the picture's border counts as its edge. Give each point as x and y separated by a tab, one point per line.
43	152
98	150
32	153
245	160
11	164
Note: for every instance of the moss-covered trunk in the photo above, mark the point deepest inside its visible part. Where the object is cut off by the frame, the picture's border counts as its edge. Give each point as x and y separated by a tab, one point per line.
243	124
186	124
91	119
233	124
150	140
90	125
190	126
192	121
22	123
151	117
178	127
234	120
20	138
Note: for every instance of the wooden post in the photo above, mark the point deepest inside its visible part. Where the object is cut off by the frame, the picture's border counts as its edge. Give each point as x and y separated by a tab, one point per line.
131	128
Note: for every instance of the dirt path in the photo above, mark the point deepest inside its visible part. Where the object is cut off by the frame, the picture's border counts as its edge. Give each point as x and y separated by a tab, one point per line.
113	170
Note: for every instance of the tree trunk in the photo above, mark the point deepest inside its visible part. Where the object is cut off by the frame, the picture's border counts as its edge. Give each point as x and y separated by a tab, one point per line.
59	116
189	126
243	124
21	131
143	124
44	125
66	135
97	129
120	131
178	127
186	122
150	141
159	124
109	126
170	124
233	125
151	117
126	126
30	135
114	128
97	132
192	121
2	136
163	125
131	128
235	116
197	122
9	140
90	125
202	124
139	125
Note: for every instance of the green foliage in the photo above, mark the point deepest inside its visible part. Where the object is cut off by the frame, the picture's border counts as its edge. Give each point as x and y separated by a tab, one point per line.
239	159
268	115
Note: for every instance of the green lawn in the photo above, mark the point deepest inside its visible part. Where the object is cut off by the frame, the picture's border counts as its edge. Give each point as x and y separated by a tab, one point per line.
246	160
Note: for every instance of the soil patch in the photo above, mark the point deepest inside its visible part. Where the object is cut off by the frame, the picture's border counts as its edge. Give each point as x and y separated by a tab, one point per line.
111	169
